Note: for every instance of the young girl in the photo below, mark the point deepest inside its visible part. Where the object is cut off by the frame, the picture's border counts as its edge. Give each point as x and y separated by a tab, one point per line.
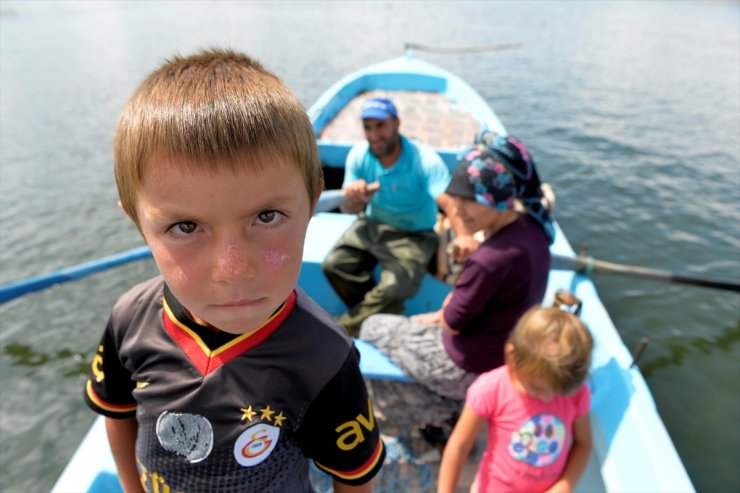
536	407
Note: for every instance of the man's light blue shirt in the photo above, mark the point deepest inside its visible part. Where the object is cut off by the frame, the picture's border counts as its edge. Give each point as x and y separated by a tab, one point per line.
408	189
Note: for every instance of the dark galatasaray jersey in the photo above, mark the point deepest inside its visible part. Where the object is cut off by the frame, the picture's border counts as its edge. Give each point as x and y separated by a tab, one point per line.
227	413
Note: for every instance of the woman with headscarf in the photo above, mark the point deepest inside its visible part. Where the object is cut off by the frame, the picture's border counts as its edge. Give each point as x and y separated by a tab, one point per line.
444	351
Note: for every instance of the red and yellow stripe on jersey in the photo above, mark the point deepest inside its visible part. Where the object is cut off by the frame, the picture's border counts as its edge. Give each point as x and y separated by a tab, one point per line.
207	360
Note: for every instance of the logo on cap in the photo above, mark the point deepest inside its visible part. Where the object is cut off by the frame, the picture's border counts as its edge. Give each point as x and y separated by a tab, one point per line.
379	108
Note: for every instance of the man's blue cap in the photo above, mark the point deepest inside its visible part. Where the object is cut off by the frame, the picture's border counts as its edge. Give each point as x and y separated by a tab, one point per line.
379	108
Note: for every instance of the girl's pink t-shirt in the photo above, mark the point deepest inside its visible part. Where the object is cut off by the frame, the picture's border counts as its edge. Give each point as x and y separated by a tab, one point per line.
528	439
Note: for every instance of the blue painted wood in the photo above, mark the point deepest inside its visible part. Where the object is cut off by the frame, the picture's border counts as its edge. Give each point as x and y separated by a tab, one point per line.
376	365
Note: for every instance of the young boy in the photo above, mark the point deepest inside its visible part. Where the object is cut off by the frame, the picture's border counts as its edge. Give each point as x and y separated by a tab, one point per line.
221	374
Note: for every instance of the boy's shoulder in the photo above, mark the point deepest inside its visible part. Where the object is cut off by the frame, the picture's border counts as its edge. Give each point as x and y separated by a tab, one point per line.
313	333
144	291
323	329
139	298
310	348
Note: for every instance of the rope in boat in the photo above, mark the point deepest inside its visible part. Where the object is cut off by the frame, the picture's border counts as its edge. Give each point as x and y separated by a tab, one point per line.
462	49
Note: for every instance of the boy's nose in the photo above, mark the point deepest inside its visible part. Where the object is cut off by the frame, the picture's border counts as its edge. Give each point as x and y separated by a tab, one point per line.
232	263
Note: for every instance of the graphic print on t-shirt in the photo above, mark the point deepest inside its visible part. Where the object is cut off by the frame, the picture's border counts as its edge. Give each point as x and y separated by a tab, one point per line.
187	435
539	441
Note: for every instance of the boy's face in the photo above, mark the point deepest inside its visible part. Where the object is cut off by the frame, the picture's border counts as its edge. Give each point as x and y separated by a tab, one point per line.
229	244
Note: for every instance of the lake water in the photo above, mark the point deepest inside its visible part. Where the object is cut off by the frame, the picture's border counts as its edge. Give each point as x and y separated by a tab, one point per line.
632	110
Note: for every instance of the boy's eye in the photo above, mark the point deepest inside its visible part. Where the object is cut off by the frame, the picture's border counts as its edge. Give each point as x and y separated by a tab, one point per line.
185	227
267	216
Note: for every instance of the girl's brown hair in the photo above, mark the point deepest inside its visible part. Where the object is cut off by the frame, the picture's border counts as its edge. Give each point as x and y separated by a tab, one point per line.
217	108
553	345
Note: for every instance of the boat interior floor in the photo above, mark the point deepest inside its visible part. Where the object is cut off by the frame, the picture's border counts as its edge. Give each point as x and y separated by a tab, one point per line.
451	127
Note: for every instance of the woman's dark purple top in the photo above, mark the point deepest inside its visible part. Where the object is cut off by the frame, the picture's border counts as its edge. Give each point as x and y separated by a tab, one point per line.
501	280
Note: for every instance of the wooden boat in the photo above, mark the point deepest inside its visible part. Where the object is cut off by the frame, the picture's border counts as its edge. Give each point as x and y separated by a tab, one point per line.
632	449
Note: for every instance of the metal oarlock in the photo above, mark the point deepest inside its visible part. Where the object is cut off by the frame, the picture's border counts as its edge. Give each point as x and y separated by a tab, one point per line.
567	301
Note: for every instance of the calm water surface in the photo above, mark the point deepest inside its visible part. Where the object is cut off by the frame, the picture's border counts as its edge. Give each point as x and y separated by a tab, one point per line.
632	110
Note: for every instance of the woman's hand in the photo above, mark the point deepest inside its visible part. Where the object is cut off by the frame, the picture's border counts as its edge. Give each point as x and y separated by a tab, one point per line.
428	318
463	246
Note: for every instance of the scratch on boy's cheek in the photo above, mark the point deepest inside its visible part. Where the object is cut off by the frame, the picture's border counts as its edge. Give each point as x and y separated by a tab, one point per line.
276	259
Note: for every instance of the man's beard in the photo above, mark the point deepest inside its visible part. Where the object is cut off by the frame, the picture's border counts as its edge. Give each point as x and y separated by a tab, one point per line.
388	149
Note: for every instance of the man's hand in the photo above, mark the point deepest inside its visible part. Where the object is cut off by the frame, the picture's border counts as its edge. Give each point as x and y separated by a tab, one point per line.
361	190
358	194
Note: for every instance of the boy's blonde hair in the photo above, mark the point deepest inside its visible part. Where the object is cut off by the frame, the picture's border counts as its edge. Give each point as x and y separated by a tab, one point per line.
553	345
214	108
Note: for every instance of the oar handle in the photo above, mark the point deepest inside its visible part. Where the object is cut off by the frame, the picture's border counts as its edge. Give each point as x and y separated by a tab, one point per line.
462	49
709	283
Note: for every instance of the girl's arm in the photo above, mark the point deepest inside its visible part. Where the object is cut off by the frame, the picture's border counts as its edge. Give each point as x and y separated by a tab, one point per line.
345	488
458	449
122	438
578	457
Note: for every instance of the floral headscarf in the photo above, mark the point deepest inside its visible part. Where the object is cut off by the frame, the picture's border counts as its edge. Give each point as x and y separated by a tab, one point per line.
500	170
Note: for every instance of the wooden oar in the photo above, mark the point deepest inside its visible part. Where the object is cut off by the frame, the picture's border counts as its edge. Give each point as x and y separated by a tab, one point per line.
587	265
16	289
462	49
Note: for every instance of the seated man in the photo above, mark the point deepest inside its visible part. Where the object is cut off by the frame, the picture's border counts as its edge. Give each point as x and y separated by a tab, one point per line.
397	187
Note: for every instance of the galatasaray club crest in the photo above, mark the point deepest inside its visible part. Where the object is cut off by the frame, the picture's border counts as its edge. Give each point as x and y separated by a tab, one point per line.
255	444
